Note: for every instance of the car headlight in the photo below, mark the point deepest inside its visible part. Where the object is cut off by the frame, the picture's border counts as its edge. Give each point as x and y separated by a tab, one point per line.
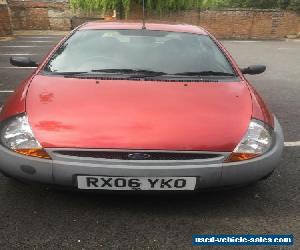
16	135
256	142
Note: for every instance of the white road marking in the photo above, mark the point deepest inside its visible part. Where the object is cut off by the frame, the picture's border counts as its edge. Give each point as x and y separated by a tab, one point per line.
17	54
40	37
18	67
292	144
35	41
243	41
6	91
21	46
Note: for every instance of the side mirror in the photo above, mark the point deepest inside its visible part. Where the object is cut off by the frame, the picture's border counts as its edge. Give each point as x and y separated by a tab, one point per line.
254	69
22	62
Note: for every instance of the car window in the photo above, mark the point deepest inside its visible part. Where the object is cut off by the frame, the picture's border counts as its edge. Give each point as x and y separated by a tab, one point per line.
169	52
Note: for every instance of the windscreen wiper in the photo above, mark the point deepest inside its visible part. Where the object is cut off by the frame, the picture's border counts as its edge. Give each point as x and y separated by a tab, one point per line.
66	73
132	72
205	73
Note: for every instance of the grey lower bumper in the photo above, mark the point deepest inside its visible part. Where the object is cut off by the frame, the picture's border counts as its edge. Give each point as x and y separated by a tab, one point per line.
210	174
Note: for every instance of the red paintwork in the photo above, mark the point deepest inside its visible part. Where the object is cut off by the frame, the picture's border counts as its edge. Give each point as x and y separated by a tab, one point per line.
138	115
260	110
79	113
150	26
16	102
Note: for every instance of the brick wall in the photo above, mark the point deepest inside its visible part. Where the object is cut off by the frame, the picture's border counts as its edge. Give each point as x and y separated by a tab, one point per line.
5	24
48	15
243	24
230	23
39	15
234	23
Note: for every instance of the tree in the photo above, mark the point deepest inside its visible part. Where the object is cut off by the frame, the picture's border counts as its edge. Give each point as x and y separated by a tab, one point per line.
295	5
162	6
155	5
283	4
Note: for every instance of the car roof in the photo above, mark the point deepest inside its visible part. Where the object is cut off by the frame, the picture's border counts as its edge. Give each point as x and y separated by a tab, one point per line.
139	25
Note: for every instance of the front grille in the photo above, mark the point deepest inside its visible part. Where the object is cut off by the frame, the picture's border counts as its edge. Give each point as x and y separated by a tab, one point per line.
139	155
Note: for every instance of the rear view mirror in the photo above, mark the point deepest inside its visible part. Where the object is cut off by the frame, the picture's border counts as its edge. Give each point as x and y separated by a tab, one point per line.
254	69
22	62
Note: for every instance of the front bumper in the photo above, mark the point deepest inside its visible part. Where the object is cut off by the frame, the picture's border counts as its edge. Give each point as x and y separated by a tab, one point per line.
62	170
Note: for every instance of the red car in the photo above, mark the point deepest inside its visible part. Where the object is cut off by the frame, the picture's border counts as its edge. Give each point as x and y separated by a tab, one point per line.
119	106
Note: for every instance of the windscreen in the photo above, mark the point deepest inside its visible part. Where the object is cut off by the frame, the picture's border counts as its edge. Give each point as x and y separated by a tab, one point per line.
168	52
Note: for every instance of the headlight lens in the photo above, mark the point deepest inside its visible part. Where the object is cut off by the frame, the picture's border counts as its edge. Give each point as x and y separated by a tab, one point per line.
256	142
17	135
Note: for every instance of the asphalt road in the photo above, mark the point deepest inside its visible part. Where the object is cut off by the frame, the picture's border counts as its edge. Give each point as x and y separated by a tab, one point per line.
35	217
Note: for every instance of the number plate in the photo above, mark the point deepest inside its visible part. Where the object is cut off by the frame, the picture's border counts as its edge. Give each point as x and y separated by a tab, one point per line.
136	183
